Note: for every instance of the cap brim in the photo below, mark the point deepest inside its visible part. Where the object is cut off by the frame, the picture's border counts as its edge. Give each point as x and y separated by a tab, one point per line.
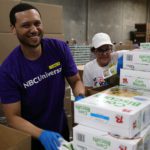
101	44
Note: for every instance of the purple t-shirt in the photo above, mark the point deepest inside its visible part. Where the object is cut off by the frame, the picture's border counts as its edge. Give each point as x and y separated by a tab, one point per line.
39	84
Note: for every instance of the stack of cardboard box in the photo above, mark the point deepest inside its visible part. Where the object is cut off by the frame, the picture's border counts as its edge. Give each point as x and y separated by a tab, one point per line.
127	45
116	114
7	40
98	140
136	69
68	106
118	118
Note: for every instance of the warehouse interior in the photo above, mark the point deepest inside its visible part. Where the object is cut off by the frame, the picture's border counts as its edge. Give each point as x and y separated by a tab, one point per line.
82	19
75	22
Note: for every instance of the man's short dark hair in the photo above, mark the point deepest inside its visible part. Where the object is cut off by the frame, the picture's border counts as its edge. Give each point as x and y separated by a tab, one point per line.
19	8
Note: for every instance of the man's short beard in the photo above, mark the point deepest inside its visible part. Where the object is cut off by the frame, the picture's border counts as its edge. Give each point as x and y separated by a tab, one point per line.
23	42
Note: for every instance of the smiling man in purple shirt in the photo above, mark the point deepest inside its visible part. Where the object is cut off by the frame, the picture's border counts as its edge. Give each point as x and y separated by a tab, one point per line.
32	80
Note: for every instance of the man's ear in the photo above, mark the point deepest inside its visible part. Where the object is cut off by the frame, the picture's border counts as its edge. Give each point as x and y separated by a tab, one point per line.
13	29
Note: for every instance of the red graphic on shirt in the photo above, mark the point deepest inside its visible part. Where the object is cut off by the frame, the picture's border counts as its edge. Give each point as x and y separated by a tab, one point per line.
134	124
99	81
119	119
121	147
125	80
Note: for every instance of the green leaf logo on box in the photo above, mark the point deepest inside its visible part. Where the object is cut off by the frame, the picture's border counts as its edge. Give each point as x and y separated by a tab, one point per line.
120	102
83	109
103	143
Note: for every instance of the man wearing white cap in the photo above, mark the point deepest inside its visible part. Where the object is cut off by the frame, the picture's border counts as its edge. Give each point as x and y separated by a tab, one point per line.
105	64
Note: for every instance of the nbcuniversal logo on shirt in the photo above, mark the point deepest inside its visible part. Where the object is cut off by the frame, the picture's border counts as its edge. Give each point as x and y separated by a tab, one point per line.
44	76
54	65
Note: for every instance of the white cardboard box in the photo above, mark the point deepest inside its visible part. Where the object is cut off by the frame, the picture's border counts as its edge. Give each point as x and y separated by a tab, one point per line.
145	45
137	60
81	146
118	110
135	79
96	139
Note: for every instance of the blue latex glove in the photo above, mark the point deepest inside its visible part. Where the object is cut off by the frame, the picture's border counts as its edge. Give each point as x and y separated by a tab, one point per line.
79	97
50	140
119	64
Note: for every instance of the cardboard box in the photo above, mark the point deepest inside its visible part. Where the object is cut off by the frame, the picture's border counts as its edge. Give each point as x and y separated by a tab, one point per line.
137	60
96	139
5	8
78	146
124	47
8	42
119	110
68	108
1	111
52	17
11	139
68	92
135	79
145	45
70	124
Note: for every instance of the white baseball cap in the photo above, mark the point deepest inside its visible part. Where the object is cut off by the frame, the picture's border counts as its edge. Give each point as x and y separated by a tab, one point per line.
101	39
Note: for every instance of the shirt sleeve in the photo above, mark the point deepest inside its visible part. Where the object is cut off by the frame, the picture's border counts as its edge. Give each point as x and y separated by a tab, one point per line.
9	91
70	67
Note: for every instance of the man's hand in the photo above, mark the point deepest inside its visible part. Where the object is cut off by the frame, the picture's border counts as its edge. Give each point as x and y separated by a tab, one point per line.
50	140
79	97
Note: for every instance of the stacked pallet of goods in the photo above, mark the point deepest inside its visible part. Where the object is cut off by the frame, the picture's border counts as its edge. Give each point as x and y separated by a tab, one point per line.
119	117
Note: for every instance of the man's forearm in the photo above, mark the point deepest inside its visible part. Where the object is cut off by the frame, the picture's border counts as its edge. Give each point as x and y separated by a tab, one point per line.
78	88
19	123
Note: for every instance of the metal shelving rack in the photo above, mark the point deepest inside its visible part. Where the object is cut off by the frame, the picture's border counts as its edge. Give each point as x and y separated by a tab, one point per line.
81	54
